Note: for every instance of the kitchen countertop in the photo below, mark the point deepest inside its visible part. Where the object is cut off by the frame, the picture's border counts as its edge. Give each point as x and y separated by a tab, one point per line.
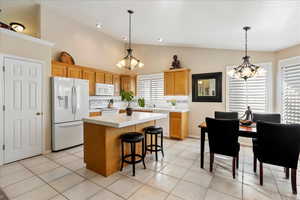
122	120
162	109
150	109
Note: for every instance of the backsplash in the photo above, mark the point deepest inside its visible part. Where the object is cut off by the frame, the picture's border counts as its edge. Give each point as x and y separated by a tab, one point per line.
102	101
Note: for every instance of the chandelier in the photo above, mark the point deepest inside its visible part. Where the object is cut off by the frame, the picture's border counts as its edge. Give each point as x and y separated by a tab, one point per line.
129	61
246	70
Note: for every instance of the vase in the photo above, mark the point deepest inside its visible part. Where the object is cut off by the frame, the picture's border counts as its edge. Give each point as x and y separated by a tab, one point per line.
128	111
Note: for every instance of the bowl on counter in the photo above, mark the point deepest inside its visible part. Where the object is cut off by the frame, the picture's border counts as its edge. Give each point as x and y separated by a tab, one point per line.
246	122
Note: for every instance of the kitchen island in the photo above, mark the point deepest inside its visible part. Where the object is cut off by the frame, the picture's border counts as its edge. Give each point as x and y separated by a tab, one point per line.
102	146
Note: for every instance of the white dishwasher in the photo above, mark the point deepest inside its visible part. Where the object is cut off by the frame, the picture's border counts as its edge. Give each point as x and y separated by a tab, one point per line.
164	123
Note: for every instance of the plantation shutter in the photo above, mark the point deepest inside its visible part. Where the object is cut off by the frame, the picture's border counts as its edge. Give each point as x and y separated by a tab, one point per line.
254	92
290	92
151	87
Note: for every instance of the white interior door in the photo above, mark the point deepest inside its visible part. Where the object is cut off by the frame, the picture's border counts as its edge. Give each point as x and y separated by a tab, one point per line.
22	116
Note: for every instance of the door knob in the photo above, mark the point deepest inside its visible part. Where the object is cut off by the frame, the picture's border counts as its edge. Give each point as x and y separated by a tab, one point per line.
38	113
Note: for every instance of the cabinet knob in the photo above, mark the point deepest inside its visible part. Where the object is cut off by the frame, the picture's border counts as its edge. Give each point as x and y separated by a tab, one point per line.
38	113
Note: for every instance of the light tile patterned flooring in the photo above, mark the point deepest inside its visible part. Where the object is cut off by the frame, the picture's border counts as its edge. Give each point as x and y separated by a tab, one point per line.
62	175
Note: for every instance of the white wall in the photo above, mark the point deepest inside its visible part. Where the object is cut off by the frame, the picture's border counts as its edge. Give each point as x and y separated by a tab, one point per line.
89	47
199	60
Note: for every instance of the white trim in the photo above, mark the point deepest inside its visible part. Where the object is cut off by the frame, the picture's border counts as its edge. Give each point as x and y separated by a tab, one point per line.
26	37
1	111
43	131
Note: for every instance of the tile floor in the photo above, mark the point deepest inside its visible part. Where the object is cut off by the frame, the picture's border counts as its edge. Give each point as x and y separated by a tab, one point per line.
62	175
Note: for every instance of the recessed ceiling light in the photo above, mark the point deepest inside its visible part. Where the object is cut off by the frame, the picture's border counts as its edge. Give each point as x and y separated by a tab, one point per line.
17	26
160	39
124	38
99	26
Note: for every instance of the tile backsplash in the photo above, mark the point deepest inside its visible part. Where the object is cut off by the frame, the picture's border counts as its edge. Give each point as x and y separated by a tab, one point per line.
102	101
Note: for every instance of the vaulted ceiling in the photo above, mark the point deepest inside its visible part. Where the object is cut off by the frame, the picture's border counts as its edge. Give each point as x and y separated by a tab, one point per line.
198	23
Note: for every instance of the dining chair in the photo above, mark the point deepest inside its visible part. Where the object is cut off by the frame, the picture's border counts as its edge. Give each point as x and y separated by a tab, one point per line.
278	144
223	139
265	117
226	115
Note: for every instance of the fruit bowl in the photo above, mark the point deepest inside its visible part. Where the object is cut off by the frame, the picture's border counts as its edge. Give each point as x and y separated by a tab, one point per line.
246	122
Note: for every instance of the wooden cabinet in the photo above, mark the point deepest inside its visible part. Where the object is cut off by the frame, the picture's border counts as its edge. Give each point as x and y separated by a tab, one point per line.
59	69
108	78
179	125
95	114
169	83
100	77
94	76
116	82
176	82
91	76
128	83
74	72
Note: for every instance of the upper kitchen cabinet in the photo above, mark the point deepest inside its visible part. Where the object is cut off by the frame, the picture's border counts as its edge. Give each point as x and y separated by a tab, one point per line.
116	82
176	82
100	77
59	69
169	83
108	78
90	75
128	83
74	72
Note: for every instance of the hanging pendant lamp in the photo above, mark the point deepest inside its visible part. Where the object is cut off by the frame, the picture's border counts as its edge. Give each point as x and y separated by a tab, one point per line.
246	70
129	61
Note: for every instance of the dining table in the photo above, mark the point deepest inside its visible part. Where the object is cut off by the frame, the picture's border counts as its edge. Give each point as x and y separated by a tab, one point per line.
244	131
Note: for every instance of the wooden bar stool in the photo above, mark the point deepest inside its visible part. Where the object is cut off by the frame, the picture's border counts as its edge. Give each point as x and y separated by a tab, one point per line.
154	147
133	138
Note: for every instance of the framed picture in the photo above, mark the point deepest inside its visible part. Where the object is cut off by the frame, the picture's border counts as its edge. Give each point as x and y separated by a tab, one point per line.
207	87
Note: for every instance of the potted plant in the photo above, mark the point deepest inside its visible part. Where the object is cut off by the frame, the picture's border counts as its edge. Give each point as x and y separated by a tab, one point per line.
141	102
128	97
173	103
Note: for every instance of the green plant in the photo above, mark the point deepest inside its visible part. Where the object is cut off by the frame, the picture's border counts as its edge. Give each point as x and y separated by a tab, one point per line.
173	102
141	102
127	96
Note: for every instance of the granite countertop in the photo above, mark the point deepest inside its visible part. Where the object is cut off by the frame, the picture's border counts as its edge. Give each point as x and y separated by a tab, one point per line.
150	109
162	109
122	120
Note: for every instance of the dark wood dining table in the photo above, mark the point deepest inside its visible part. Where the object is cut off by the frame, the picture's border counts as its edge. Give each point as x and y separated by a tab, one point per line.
245	131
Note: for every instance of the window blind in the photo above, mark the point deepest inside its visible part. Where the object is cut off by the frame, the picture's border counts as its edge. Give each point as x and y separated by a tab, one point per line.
255	92
151	87
290	93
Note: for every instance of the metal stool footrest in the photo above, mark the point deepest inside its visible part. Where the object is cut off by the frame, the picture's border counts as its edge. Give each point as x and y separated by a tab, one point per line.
131	161
148	148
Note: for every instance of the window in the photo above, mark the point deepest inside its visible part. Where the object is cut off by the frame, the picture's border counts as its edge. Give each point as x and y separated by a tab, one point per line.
290	90
255	92
151	87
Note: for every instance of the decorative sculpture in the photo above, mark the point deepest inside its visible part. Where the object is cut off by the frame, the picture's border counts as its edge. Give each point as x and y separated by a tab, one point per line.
175	63
248	114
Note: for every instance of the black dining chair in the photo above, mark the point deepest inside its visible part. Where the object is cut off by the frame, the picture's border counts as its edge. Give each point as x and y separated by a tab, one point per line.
265	117
226	115
223	139
278	144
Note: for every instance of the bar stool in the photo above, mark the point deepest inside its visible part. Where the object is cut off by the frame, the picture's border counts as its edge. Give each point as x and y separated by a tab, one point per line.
154	147
132	138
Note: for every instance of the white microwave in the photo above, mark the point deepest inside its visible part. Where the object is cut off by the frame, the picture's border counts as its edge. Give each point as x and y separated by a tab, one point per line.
104	89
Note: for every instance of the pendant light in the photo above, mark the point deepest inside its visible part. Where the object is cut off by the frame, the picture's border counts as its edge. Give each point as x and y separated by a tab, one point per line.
129	61
246	70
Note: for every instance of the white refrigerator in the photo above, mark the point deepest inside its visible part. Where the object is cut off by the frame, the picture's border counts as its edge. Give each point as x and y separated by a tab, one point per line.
70	103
